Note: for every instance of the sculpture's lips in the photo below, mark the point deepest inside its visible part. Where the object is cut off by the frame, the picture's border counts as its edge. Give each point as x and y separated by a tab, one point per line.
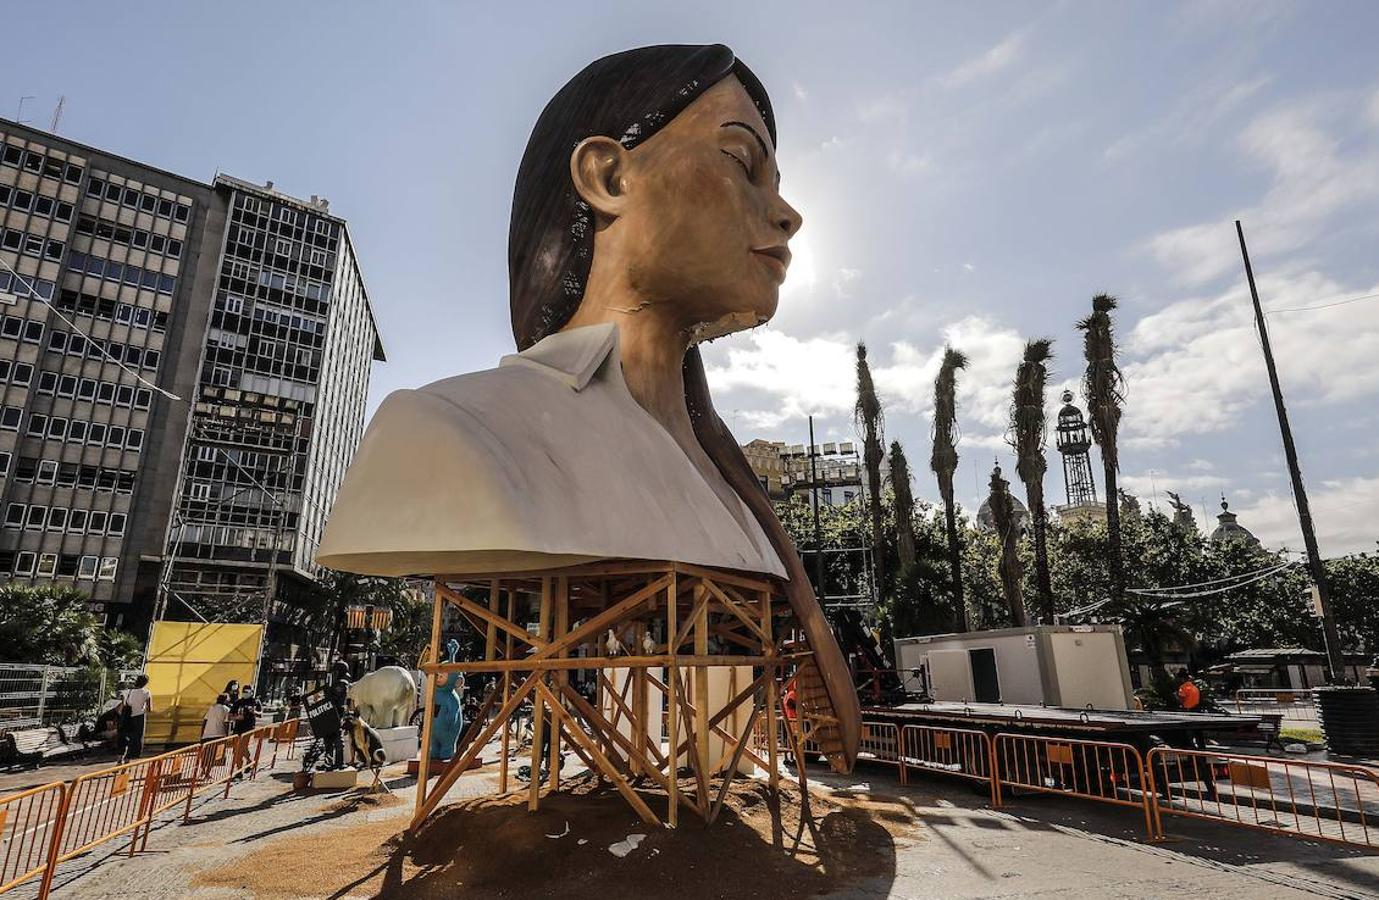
778	257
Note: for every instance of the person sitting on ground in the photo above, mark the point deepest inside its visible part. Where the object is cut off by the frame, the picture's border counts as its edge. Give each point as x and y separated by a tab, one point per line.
137	702
1189	697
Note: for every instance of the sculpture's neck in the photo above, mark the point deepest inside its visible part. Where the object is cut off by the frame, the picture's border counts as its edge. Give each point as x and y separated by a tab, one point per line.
652	344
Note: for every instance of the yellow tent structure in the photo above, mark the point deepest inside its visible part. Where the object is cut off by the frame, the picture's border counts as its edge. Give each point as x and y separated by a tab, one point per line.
189	663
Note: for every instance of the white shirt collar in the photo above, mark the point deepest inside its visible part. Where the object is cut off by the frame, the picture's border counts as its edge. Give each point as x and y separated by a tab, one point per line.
573	356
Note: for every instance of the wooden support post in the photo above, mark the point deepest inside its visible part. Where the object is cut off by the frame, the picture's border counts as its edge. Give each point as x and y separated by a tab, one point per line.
428	702
639	699
701	699
561	678
507	689
538	719
773	674
672	773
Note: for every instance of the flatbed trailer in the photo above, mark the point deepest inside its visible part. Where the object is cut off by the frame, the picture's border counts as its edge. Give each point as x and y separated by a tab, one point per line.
1141	729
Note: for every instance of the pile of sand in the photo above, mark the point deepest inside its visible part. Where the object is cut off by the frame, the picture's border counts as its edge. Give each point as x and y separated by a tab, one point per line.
761	845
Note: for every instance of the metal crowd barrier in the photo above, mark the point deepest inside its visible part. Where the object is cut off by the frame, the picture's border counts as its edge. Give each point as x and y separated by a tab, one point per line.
46	826
1090	770
962	752
1316	800
28	821
881	743
1294	706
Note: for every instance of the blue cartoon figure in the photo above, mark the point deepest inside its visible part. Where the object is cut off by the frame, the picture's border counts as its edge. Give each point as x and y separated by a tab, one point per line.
447	723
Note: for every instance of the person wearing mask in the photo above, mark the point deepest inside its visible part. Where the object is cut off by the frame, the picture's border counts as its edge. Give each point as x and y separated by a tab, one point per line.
136	703
245	711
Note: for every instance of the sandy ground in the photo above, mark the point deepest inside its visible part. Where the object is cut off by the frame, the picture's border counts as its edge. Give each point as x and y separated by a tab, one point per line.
867	837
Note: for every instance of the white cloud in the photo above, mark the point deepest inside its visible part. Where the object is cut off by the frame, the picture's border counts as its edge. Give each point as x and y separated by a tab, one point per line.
1190	119
801	377
990	62
1342	513
1195	366
800	92
887	106
1312	179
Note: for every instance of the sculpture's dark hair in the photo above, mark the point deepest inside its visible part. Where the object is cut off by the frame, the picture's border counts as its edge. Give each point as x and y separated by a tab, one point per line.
630	96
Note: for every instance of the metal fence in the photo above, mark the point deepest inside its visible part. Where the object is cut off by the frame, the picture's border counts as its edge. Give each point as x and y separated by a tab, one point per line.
961	752
33	696
46	826
1295	707
1321	801
1104	771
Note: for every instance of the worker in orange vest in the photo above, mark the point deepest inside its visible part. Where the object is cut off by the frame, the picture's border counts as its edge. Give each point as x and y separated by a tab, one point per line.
1189	697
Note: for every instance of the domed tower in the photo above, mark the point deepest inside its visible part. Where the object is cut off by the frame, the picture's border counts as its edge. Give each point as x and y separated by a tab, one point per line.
1075	443
1229	529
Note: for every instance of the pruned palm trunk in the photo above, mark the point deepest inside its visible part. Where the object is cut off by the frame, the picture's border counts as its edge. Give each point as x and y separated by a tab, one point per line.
944	461
871	421
1103	389
1004	517
904	509
1026	437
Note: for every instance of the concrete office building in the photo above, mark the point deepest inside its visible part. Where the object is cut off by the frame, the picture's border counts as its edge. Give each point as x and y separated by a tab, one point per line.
245	304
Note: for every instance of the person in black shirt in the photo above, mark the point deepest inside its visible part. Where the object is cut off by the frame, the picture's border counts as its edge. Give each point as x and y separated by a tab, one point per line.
245	711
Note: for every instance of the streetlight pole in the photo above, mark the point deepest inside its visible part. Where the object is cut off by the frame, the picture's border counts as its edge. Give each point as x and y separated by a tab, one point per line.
1309	536
814	495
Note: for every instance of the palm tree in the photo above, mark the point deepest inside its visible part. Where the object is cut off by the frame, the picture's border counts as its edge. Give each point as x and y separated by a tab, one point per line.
1007	522
871	422
904	509
944	461
1026	438
1103	387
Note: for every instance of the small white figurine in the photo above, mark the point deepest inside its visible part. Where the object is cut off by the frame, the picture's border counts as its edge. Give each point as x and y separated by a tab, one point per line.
614	645
648	644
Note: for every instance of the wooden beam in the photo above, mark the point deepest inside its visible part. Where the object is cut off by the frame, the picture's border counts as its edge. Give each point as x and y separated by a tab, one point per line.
773	767
701	599
672	642
598	623
737	759
577	734
480	612
449	777
562	625
507	687
525	664
538	721
742	581
428	695
729	605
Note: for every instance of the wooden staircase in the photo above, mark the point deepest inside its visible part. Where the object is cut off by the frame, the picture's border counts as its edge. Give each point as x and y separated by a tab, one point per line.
816	711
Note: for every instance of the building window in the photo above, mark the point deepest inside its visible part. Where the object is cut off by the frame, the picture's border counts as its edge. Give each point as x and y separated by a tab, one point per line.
47	565
77	521
108	564
9	418
24	562
86	569
14	515
34	521
117	523
47	468
95	524
57	518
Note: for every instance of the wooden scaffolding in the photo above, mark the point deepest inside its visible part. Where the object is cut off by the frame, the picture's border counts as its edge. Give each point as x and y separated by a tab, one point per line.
653	627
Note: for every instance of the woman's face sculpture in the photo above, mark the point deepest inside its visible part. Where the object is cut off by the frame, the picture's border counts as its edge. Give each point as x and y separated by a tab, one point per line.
694	215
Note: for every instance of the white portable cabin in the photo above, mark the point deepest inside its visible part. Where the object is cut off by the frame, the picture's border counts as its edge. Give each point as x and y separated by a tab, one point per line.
1052	665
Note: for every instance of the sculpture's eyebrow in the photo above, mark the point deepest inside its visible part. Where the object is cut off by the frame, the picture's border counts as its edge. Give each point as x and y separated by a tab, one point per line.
764	151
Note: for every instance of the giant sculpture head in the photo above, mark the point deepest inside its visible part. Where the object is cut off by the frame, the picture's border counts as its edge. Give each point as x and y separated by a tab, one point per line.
657	164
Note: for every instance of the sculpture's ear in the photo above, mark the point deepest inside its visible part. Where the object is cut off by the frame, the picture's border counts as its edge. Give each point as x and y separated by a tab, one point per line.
598	167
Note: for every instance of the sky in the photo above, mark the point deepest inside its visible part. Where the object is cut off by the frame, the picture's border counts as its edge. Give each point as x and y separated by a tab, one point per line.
969	174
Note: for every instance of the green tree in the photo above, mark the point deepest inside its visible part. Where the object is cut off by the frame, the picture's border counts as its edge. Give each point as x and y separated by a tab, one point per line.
1028	426
944	461
49	624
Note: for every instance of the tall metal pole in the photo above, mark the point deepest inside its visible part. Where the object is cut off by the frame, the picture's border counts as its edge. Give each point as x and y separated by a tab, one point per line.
814	493
1290	452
